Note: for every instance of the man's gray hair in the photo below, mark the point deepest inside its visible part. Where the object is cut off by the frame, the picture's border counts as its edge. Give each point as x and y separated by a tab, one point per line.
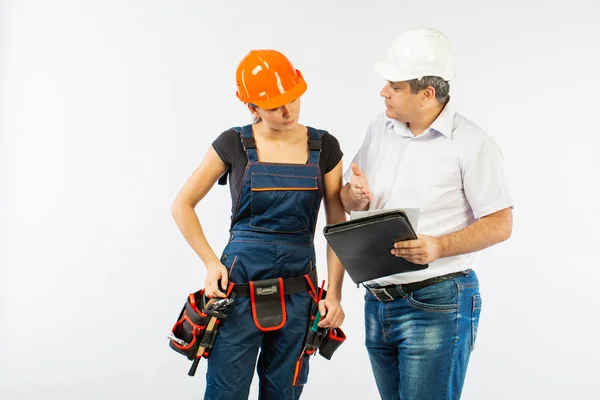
442	87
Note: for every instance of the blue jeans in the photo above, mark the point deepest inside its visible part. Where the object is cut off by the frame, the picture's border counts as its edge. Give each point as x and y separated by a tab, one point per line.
419	345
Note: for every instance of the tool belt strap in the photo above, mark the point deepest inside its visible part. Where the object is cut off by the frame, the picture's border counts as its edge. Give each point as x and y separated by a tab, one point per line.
300	284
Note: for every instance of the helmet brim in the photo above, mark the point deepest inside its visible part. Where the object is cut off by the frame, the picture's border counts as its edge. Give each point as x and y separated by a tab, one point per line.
390	73
283	99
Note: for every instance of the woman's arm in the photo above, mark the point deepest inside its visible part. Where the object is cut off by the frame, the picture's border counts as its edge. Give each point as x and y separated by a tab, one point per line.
192	192
334	212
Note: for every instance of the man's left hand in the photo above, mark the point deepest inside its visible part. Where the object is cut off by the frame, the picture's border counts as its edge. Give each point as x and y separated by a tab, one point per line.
422	250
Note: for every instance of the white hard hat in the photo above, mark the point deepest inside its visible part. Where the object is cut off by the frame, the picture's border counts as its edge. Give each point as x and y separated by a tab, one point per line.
418	53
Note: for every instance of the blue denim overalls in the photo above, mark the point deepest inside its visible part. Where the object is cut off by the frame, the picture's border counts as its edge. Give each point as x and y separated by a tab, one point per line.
272	233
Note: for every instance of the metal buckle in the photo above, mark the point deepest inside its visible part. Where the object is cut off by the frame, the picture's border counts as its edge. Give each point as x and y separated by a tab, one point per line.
377	291
266	291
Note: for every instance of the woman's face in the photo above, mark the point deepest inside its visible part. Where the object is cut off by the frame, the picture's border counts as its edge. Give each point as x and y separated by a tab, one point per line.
284	118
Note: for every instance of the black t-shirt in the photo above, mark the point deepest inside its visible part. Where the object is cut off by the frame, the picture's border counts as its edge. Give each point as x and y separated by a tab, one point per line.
229	148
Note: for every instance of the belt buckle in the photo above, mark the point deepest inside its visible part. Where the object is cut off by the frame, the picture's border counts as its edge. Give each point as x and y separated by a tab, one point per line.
267	290
381	291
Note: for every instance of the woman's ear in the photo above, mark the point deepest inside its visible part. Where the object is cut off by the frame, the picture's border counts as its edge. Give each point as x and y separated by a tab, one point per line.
253	110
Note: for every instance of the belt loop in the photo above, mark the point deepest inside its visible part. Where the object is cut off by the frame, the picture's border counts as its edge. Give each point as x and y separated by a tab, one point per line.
403	293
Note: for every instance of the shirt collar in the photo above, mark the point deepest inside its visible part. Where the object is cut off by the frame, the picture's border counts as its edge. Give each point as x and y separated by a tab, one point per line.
442	124
445	121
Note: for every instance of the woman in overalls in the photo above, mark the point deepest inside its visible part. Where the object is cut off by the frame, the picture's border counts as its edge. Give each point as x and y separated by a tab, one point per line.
279	171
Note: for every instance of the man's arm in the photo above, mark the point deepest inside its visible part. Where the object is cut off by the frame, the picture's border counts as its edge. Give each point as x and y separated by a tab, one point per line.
485	232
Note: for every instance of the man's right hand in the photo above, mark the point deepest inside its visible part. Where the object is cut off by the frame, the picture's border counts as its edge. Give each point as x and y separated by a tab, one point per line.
215	273
360	185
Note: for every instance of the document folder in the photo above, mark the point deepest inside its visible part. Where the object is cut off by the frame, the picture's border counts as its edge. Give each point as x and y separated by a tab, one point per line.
363	245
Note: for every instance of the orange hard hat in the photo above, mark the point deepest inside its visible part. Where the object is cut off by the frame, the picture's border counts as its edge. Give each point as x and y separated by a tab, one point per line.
267	79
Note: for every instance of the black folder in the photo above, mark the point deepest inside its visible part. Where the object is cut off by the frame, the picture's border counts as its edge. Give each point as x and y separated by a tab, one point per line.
363	245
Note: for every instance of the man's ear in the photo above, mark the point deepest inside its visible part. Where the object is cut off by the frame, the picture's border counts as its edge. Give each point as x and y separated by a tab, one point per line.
428	94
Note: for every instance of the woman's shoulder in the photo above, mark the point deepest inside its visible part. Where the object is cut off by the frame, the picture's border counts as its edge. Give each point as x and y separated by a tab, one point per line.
228	146
228	138
327	138
230	134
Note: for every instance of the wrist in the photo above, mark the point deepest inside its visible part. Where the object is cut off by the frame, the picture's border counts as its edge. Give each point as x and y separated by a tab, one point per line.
213	264
333	294
442	245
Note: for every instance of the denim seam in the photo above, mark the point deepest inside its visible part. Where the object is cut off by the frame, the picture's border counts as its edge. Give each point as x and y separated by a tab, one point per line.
384	310
452	364
474	309
261	242
432	307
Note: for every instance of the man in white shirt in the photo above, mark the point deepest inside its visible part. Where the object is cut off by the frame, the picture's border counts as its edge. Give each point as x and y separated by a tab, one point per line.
421	326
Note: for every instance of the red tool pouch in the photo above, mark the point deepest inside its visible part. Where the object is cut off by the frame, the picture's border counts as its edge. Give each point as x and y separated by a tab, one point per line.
190	326
334	339
189	332
325	340
268	304
267	298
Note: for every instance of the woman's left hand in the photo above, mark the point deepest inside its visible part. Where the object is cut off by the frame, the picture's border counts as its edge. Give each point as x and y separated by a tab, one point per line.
332	313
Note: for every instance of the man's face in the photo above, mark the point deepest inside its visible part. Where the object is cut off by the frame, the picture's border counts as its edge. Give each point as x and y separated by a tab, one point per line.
401	104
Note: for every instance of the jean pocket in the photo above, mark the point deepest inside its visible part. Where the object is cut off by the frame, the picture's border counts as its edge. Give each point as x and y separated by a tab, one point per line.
476	311
441	297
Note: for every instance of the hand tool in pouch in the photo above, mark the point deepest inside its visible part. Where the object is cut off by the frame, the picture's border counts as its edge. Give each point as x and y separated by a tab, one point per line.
325	340
215	307
195	332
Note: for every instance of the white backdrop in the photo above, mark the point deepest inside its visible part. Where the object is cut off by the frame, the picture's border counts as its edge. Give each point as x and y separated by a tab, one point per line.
106	107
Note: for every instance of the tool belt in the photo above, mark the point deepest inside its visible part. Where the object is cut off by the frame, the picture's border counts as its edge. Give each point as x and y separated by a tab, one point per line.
393	292
325	340
190	333
267	298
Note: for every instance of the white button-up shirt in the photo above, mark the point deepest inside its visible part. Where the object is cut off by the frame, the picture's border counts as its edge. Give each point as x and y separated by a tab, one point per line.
453	172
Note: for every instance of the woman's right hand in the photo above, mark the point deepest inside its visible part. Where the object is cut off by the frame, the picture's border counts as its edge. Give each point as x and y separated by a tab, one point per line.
216	272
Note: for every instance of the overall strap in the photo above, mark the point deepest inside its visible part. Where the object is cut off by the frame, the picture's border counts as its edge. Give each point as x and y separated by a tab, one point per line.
249	143
315	143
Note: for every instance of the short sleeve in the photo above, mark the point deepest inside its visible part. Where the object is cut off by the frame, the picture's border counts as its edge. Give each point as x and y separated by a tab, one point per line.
332	152
226	146
484	180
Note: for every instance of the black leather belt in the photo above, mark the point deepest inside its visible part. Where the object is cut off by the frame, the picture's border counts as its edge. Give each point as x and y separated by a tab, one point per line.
392	292
291	285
